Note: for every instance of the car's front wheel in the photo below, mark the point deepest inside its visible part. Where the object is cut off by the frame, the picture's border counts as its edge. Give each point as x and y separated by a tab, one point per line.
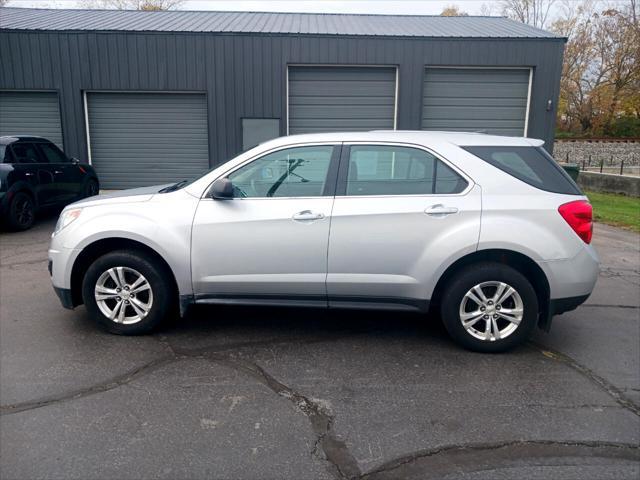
128	292
22	212
489	307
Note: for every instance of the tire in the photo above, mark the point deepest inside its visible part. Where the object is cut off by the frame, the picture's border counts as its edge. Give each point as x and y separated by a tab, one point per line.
504	334
91	188
22	212
157	302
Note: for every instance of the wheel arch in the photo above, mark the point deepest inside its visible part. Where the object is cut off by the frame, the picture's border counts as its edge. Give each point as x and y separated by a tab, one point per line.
517	260
100	247
23	187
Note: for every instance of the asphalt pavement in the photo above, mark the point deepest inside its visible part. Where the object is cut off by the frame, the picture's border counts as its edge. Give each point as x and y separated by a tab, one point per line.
248	393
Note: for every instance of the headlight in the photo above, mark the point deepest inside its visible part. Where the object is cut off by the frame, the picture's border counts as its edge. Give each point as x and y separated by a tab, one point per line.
67	217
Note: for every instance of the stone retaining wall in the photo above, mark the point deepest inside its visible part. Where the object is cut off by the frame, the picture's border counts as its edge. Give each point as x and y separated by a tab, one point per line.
611	153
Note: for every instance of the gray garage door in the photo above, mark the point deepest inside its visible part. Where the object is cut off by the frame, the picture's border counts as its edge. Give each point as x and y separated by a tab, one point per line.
31	113
486	100
329	99
140	139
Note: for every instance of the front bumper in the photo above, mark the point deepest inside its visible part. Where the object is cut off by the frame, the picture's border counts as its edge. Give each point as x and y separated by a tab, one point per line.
66	299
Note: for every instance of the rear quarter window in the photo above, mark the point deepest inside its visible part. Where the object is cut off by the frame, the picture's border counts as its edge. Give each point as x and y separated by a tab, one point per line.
532	165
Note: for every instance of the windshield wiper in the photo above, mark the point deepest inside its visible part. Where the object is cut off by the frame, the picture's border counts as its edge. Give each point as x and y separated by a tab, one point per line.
174	187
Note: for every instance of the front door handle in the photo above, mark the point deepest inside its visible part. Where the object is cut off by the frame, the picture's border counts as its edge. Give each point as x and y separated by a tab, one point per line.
440	209
308	215
58	172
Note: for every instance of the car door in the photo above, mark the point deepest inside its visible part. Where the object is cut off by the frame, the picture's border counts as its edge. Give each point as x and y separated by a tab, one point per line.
35	170
268	244
400	212
67	177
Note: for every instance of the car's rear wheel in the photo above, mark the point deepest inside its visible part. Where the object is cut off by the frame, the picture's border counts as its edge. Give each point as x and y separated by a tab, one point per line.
128	292
22	212
489	307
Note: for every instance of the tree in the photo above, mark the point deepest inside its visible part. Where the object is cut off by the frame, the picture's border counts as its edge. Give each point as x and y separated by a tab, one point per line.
532	12
148	5
617	42
453	11
600	84
3	3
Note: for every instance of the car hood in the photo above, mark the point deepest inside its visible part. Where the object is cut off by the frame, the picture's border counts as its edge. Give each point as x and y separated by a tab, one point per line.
142	194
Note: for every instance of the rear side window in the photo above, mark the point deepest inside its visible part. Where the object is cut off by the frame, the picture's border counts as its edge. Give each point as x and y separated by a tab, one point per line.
532	165
391	170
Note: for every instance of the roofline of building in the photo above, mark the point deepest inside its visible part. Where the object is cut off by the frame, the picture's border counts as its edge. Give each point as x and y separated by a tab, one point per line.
549	36
251	11
282	34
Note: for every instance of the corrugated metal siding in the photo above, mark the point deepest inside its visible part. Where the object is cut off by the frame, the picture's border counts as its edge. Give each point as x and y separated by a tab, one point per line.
477	100
140	139
262	22
244	76
333	99
31	113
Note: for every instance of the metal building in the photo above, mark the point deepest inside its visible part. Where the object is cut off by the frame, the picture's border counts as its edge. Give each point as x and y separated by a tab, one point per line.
152	97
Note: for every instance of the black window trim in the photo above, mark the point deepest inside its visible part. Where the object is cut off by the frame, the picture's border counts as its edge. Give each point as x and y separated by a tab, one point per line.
343	171
329	185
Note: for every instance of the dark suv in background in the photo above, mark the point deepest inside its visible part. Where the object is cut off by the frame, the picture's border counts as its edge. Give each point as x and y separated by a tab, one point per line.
36	174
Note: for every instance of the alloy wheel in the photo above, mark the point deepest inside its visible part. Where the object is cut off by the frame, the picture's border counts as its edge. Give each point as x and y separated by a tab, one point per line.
123	295
24	211
491	311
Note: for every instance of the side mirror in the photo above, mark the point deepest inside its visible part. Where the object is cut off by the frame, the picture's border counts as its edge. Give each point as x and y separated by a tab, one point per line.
75	161
222	189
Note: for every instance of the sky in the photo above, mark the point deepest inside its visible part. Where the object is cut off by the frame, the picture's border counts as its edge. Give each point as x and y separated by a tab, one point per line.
405	7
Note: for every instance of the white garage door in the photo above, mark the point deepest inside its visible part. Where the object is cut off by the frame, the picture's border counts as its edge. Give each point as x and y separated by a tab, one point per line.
140	139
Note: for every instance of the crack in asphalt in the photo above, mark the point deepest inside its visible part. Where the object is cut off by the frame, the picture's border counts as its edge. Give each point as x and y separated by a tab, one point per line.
343	464
604	305
558	449
335	450
605	385
18	264
105	386
118	380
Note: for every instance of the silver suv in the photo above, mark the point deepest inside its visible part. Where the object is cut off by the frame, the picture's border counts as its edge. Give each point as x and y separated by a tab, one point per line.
488	231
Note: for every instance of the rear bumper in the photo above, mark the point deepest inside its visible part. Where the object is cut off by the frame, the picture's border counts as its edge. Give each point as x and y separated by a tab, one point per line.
571	282
572	277
558	306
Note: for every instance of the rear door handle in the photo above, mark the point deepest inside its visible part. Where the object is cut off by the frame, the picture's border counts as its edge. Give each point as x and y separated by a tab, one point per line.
440	209
308	215
58	172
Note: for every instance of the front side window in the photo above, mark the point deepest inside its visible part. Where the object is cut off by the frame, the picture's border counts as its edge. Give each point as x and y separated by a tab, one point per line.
25	153
391	170
293	172
52	153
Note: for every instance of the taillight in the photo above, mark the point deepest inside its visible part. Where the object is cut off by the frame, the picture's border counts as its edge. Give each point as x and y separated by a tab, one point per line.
579	216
